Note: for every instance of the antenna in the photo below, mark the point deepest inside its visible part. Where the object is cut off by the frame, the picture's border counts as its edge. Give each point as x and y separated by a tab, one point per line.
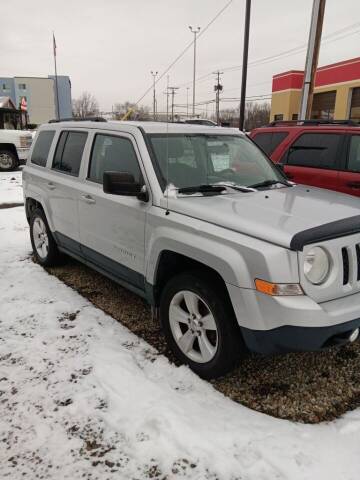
167	147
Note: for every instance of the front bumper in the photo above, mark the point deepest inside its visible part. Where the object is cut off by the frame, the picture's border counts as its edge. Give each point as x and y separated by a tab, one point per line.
298	323
298	339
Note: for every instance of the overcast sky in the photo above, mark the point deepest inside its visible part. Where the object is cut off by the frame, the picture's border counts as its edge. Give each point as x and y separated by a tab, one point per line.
108	47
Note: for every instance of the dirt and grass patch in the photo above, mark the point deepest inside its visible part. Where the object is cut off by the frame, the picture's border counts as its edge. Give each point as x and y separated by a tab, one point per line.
305	387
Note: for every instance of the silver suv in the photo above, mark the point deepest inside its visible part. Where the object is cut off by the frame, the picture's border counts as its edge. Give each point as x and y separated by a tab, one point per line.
199	222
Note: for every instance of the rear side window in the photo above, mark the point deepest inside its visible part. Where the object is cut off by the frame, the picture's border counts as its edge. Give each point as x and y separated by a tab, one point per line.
317	150
354	154
113	154
69	152
42	147
269	141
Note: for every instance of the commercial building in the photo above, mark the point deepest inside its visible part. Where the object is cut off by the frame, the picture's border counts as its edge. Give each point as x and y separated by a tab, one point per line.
336	92
39	93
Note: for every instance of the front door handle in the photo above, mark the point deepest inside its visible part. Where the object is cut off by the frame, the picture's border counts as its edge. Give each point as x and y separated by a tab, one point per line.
353	184
88	199
51	185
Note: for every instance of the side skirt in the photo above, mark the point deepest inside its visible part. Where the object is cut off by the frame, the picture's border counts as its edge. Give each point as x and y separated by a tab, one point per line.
76	252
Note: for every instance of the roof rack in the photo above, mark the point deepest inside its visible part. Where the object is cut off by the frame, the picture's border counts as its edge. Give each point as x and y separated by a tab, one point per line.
79	119
277	123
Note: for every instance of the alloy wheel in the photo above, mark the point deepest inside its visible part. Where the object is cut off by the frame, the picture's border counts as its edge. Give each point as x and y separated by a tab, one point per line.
41	239
193	326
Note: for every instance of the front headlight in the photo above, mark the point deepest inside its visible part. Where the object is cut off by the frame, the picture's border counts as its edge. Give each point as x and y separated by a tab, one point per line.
316	265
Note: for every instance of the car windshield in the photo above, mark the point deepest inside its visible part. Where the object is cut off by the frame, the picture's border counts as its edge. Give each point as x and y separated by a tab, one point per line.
190	160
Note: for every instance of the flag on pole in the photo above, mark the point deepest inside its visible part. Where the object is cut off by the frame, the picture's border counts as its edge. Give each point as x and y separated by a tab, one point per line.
54	45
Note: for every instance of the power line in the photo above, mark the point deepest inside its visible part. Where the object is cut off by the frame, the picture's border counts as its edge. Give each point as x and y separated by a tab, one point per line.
186	49
293	51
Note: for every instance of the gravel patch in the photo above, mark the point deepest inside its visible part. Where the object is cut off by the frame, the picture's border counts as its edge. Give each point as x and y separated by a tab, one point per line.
304	387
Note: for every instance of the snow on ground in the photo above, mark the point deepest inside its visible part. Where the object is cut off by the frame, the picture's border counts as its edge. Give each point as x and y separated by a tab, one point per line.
82	397
10	187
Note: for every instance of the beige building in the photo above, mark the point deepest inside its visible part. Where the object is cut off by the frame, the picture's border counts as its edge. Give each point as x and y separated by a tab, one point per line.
336	92
38	96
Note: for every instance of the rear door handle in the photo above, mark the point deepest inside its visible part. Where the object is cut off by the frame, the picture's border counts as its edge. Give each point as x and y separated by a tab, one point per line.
51	185
353	184
88	199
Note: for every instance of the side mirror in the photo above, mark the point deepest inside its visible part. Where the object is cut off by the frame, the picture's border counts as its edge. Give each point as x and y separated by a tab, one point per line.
123	183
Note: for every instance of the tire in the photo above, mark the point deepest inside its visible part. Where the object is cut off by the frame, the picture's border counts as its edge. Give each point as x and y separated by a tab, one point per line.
209	352
42	241
8	161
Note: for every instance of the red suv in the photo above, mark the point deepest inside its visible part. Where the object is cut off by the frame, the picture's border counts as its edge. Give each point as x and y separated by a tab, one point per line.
324	154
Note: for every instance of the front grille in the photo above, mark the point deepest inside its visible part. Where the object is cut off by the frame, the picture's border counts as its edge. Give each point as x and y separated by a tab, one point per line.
358	261
351	265
346	266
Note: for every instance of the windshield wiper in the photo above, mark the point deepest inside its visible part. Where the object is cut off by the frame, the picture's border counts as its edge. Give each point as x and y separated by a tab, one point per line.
215	188
268	183
204	188
235	186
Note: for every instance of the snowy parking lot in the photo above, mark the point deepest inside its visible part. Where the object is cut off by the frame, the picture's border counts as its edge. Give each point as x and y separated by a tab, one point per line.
82	397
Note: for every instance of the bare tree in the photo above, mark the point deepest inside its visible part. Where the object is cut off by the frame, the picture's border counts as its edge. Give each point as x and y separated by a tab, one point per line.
256	115
85	106
135	112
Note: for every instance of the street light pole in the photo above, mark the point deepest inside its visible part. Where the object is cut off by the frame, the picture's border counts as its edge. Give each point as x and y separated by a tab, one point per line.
195	31
187	102
154	99
244	65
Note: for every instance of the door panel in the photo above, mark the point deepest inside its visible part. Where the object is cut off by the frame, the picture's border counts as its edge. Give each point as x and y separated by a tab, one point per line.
64	186
112	227
317	177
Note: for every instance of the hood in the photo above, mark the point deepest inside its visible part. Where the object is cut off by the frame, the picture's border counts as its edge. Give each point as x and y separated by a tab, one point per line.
290	217
15	134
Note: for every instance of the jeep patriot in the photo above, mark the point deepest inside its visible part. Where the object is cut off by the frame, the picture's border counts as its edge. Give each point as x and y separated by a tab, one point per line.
199	222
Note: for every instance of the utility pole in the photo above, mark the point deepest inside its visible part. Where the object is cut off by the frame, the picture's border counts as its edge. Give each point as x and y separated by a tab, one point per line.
154	95
56	79
312	57
244	65
172	90
218	88
195	31
187	102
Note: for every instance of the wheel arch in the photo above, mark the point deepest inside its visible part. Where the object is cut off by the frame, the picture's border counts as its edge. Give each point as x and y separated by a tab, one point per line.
171	263
11	148
33	202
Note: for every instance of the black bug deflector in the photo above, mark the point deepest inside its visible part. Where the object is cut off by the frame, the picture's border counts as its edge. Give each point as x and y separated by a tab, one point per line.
328	231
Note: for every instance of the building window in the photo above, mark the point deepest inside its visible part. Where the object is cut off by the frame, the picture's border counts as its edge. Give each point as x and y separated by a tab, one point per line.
5	87
278	117
22	86
323	106
355	105
295	116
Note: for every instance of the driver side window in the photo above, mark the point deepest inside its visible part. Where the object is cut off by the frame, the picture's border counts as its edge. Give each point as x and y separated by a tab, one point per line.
115	154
